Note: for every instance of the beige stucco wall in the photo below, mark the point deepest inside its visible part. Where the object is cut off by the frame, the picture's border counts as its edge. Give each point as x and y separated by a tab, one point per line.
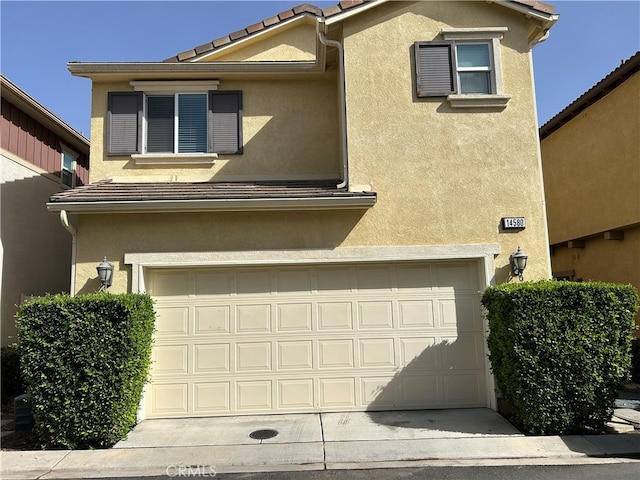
289	128
443	176
592	167
296	42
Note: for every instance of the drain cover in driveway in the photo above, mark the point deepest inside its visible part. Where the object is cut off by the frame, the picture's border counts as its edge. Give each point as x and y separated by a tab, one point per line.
263	434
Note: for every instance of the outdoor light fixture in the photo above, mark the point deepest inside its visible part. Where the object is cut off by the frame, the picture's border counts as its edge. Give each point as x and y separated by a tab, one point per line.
518	263
105	274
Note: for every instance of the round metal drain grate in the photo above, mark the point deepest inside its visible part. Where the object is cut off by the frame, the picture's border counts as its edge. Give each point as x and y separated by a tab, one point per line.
263	434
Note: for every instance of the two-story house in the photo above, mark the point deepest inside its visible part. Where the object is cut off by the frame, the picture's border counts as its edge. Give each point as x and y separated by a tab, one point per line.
316	203
591	164
40	155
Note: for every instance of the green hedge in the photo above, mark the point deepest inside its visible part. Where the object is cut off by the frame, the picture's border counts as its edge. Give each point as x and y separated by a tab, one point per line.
85	360
560	351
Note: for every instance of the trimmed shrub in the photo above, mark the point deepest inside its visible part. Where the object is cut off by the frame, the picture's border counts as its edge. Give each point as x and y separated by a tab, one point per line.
635	360
85	360
12	383
560	351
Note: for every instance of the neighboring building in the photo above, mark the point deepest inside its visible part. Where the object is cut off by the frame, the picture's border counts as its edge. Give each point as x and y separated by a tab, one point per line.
591	163
40	155
314	215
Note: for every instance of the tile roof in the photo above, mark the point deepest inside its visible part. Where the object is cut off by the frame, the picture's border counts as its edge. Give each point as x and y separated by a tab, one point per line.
216	192
304	9
626	69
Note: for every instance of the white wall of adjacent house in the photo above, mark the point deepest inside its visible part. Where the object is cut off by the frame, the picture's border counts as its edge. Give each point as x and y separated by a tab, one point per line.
35	249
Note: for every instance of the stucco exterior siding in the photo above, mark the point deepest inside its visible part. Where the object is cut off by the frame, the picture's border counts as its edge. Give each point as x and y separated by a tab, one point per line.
289	129
592	167
443	175
296	43
602	260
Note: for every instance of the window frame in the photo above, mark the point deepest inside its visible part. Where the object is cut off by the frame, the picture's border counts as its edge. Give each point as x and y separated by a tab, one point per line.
176	123
451	38
489	69
64	149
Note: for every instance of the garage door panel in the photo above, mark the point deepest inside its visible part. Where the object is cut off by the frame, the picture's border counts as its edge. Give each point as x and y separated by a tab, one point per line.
212	320
236	340
253	357
374	278
295	355
375	315
418	353
414	278
253	318
212	283
420	390
335	354
293	281
169	399
463	388
459	314
296	394
211	358
170	283
252	281
253	395
463	351
381	392
172	321
337	392
212	397
456	277
294	317
415	314
334	279
335	316
377	352
170	359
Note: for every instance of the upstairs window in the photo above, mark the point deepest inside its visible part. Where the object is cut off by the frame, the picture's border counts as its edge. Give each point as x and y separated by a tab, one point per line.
465	67
474	68
68	167
177	123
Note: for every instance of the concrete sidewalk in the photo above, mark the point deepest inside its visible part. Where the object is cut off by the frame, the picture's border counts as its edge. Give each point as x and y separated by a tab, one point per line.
203	446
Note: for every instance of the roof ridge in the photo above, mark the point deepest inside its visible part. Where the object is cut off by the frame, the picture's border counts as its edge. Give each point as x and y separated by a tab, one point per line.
306	9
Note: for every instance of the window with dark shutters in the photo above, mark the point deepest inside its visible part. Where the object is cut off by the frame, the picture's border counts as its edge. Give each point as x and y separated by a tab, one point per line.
225	110
124	118
435	69
221	126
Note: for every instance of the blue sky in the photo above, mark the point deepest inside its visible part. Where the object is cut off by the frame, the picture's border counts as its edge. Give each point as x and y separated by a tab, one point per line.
38	39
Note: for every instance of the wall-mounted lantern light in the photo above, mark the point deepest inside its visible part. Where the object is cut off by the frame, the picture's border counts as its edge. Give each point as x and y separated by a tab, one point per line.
518	263
105	274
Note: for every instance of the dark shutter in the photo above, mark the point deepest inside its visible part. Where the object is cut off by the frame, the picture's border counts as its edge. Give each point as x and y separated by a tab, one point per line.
124	121
435	72
225	124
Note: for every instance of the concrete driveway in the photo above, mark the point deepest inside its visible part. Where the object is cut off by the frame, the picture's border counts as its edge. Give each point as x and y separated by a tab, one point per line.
327	427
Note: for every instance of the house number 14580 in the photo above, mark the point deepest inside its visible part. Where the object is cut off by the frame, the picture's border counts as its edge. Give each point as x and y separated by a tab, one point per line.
513	222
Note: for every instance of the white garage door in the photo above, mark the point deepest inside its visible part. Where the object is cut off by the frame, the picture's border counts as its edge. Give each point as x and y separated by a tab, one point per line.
316	338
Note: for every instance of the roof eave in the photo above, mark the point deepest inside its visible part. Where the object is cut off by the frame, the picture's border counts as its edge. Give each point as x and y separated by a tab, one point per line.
216	205
29	105
176	70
